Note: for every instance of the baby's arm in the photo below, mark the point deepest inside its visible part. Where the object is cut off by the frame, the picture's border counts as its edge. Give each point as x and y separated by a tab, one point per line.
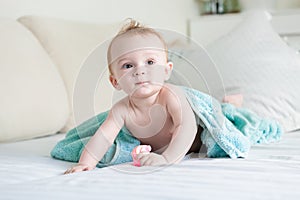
183	136
186	128
99	143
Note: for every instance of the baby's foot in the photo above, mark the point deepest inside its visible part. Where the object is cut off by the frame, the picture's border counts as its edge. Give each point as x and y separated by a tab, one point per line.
235	99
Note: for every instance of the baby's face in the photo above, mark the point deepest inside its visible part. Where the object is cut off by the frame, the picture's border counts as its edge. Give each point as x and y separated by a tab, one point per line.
139	64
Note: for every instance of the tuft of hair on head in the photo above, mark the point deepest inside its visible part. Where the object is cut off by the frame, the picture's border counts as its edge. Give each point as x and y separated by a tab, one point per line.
131	25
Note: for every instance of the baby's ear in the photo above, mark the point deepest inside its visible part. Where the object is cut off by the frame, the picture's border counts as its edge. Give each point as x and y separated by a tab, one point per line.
114	82
168	70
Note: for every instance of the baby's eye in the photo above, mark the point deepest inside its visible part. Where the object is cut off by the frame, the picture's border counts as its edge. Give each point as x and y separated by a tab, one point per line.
127	66
150	62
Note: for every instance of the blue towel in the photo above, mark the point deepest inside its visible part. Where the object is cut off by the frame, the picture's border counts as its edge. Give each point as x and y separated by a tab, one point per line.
228	131
71	147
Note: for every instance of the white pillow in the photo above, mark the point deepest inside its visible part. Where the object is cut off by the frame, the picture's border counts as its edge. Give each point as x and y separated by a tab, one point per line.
69	43
33	97
255	61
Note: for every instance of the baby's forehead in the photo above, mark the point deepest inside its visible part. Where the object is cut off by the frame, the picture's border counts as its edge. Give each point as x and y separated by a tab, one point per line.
128	43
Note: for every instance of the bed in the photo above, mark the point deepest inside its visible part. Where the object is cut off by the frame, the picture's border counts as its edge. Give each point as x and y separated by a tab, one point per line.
271	171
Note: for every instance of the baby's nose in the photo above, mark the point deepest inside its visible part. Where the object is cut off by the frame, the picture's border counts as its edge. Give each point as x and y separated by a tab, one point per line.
139	71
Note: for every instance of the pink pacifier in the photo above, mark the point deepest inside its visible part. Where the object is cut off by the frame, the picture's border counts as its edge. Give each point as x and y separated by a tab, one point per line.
137	150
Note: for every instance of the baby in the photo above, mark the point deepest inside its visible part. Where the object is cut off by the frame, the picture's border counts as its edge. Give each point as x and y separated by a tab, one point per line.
155	112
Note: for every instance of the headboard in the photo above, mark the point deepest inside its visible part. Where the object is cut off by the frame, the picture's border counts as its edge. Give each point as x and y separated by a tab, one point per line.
205	29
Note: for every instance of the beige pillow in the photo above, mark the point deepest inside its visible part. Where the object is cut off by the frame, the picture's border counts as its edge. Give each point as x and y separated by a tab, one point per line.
255	61
33	97
68	44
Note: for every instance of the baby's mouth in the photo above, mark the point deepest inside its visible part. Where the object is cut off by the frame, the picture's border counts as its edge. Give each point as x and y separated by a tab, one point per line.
142	83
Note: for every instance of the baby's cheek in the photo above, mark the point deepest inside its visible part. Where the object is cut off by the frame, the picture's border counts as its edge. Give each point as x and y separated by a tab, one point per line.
157	74
126	84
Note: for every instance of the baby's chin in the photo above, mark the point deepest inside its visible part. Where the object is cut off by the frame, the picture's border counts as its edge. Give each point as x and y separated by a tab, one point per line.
145	90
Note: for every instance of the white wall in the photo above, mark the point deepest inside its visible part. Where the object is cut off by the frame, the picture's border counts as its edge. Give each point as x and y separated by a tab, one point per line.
168	14
269	4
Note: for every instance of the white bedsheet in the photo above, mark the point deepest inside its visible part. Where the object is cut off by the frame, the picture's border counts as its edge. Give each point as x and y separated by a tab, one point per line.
270	172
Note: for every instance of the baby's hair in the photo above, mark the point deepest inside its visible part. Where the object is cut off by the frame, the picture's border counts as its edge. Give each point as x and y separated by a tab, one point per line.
135	28
131	25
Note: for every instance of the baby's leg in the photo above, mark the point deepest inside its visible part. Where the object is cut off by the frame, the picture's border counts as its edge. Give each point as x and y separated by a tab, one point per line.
197	141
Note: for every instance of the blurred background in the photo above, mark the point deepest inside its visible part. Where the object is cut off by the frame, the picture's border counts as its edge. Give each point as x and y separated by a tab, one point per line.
167	14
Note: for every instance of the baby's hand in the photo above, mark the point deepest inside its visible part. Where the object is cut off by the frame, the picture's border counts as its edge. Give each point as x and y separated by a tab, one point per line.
78	168
151	159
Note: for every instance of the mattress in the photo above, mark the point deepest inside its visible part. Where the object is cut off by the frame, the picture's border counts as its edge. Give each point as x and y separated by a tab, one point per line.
271	171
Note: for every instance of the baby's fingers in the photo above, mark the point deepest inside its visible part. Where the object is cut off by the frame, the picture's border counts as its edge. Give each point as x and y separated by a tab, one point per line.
70	170
147	162
76	169
144	159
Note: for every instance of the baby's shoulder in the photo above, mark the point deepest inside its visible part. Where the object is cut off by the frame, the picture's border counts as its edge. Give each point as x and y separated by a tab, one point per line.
121	106
171	91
